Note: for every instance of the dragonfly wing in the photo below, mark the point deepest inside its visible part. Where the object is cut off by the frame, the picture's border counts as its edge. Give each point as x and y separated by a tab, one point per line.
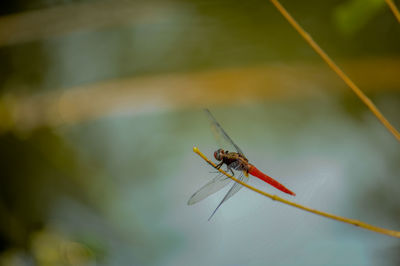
221	131
232	191
211	187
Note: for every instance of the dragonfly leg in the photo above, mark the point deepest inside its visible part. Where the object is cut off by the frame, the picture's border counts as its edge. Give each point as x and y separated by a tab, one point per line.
230	169
219	165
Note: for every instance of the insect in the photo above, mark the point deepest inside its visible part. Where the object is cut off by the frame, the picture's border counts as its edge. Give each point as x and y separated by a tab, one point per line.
235	160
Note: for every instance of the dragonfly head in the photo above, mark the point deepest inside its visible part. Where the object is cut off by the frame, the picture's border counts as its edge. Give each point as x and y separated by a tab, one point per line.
218	154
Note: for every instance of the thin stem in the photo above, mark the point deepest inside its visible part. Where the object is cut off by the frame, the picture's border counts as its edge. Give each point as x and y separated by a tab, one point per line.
296	205
394	9
336	68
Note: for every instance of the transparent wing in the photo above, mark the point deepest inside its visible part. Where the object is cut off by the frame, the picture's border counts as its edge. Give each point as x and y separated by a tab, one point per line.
234	189
216	184
221	131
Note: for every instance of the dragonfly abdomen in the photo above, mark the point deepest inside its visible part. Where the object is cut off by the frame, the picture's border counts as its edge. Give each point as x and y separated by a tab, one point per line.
257	173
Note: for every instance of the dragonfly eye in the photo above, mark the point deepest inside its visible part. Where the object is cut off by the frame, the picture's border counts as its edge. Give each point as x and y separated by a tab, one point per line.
217	154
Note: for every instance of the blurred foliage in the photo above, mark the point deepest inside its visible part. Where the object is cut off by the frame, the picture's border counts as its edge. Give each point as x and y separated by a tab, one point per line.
36	170
355	14
16	6
17	74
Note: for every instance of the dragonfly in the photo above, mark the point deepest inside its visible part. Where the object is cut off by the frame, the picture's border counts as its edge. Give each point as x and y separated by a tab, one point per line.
235	160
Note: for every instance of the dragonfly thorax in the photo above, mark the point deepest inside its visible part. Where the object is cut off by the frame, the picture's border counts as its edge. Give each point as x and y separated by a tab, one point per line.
233	160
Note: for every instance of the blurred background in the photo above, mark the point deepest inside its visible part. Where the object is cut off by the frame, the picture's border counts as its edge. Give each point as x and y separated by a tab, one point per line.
101	103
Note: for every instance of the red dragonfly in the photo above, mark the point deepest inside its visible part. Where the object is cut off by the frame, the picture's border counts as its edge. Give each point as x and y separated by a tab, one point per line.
232	161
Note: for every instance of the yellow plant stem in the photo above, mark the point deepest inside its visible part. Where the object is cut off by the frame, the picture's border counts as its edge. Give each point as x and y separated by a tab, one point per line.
394	9
296	205
337	69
